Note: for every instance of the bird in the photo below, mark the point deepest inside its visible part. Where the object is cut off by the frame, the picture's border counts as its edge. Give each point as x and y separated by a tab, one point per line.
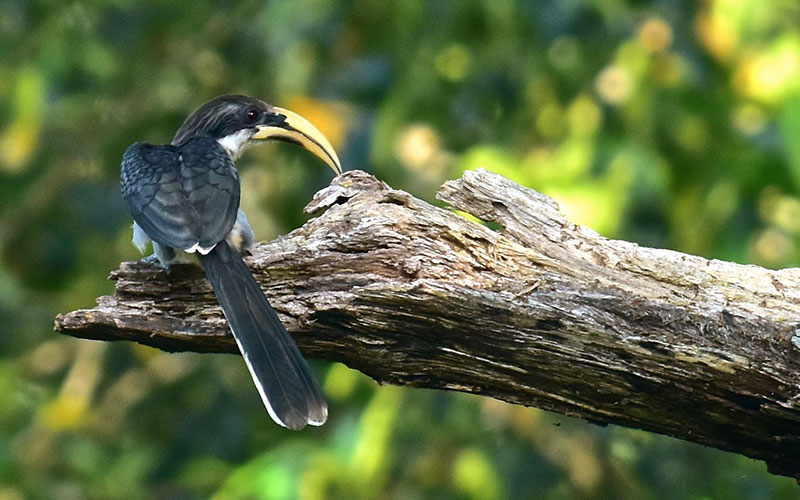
184	198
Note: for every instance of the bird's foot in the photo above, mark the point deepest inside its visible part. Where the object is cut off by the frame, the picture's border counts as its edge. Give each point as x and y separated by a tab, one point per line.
153	259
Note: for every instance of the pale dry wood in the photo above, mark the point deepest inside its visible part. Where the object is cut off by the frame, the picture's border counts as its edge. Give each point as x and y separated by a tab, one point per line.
541	312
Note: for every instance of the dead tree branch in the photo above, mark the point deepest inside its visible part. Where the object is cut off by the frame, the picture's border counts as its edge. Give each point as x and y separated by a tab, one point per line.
542	313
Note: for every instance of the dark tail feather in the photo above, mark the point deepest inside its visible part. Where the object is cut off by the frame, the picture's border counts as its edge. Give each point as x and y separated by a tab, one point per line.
283	378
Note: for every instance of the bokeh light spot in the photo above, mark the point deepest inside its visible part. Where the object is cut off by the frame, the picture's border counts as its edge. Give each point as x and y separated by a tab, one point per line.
771	74
473	474
453	62
584	115
655	35
749	119
417	145
614	85
773	246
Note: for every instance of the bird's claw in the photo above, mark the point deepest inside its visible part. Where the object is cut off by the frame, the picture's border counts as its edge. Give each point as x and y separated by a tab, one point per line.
153	259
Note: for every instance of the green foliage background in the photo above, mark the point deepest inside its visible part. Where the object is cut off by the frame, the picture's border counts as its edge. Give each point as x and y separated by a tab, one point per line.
670	123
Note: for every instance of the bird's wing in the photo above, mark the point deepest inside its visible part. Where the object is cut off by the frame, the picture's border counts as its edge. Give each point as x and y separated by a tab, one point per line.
186	196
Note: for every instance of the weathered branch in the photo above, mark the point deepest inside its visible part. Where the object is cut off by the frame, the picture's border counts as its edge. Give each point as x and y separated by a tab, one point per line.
542	313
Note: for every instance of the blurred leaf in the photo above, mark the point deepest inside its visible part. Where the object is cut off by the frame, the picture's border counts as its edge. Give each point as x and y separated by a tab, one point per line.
19	139
790	132
271	476
473	474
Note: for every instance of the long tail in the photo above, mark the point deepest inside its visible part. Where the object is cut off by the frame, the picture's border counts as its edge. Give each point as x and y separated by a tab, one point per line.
288	388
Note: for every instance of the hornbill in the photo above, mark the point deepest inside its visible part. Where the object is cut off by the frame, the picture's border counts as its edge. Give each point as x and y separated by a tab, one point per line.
184	197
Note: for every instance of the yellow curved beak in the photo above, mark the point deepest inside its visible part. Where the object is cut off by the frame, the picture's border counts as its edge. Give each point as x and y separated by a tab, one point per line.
295	128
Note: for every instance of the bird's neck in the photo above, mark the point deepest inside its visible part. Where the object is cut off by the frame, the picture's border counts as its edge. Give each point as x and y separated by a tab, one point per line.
235	144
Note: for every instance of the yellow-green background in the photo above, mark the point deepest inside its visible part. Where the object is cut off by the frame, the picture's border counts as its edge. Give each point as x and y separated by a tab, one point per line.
670	123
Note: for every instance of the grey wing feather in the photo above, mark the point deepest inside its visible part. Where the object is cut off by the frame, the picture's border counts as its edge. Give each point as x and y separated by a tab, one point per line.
181	196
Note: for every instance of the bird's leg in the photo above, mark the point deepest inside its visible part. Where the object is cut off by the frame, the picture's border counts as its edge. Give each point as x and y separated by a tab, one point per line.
163	256
153	259
242	236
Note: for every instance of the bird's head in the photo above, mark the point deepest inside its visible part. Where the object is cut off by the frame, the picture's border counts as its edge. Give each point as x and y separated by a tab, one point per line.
237	121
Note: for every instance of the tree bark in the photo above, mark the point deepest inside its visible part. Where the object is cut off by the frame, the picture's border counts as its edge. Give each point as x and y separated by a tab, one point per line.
540	312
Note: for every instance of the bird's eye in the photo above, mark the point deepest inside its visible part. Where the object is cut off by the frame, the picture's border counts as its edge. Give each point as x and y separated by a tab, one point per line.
252	115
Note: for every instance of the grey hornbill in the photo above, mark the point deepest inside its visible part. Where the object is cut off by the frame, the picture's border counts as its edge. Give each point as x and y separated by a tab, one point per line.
184	197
